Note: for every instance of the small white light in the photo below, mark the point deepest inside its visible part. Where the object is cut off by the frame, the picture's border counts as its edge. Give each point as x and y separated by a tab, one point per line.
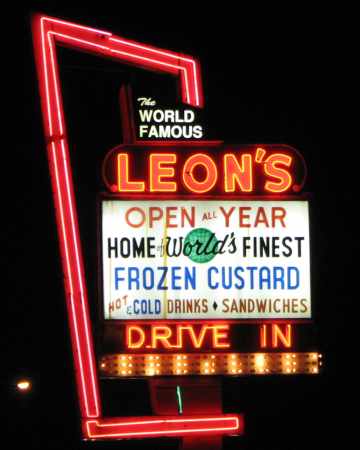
24	385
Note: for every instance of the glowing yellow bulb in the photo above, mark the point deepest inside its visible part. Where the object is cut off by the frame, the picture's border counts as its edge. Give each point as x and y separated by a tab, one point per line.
259	361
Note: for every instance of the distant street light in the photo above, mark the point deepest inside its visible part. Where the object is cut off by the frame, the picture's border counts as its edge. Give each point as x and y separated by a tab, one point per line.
23	385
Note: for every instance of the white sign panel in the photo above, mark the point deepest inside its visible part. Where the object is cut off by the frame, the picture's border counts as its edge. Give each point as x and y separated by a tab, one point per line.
205	259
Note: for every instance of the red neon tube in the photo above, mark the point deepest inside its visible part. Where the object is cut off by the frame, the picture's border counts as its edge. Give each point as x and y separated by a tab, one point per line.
169	426
48	32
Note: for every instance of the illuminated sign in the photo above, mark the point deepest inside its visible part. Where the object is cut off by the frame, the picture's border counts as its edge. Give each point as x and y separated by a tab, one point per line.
205	259
201	168
154	122
173	337
197	238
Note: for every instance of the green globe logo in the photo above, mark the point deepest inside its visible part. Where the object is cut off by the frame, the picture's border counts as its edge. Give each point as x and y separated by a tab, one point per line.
198	245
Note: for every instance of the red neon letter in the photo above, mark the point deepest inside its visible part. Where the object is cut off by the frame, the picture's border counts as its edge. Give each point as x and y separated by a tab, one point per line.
161	334
130	342
157	172
197	340
281	174
263	336
278	335
196	186
218	335
124	184
234	173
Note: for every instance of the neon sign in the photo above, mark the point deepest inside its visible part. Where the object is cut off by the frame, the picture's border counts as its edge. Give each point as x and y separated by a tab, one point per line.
171	170
181	168
173	337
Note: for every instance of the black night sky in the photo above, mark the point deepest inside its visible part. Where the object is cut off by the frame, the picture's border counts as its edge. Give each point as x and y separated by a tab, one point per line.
280	81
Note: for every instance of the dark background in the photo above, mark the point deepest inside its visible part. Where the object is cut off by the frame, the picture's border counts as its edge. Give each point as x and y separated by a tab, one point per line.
281	80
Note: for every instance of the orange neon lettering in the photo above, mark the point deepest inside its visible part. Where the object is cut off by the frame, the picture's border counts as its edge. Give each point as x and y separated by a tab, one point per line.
197	340
236	174
123	182
260	153
273	170
131	341
191	183
161	334
218	335
278	335
157	172
263	336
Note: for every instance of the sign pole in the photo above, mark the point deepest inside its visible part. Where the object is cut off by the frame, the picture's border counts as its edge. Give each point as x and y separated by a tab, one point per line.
193	397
